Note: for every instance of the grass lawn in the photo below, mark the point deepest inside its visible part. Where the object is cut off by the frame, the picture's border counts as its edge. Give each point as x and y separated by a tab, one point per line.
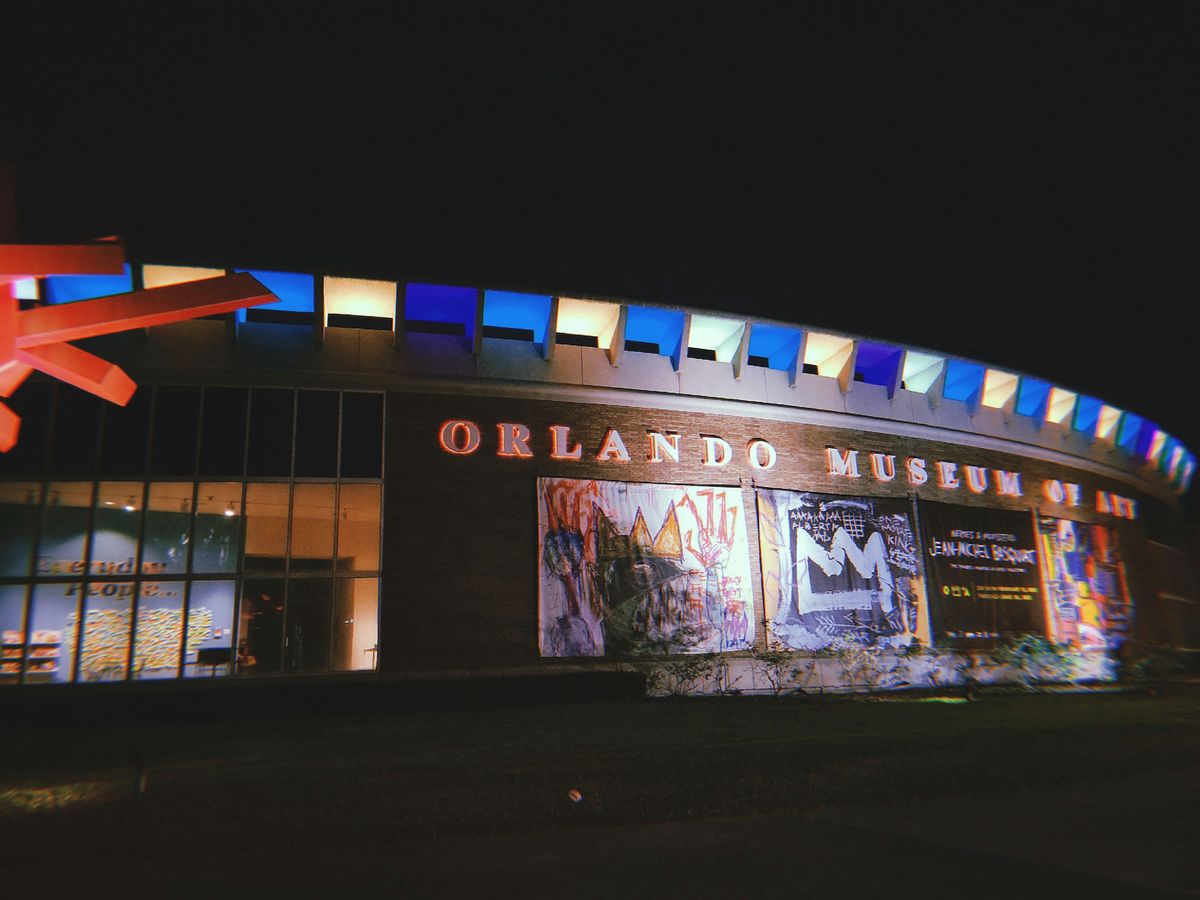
220	795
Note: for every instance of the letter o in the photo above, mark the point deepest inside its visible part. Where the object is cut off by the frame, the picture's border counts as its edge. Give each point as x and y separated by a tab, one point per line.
1054	491
459	436
755	456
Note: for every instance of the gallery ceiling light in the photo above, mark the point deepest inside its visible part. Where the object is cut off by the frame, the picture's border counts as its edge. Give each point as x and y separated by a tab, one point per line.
38	338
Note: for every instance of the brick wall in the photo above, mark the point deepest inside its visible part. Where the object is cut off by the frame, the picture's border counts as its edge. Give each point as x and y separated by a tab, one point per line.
460	532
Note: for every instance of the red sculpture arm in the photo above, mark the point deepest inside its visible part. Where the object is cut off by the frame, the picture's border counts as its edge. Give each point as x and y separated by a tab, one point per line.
36	338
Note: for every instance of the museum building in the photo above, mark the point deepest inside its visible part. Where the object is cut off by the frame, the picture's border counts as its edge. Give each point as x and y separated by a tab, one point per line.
409	477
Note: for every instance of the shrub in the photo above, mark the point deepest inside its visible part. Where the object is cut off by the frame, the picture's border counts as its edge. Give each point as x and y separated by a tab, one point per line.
775	663
681	675
1035	659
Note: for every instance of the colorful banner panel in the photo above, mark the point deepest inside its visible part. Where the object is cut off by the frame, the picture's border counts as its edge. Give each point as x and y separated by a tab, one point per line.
840	567
1085	577
637	568
982	566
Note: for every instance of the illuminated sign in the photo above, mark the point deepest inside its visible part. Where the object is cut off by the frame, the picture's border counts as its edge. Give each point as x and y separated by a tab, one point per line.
514	440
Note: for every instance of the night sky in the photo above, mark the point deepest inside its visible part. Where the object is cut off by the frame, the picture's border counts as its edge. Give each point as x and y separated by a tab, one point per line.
1016	186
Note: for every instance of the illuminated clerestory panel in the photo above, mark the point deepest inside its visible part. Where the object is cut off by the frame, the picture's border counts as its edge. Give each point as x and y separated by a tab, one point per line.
715	337
775	346
1060	406
590	323
154	275
359	302
440	309
1087	415
296	292
830	356
650	330
71	288
1033	396
921	371
999	388
1186	471
1127	434
878	364
508	314
1107	423
964	381
1172	458
1156	446
26	289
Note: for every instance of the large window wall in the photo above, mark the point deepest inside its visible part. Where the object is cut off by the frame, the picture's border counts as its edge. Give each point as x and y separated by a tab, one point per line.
196	532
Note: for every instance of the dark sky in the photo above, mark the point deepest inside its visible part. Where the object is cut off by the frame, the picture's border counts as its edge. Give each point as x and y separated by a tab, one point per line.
1017	186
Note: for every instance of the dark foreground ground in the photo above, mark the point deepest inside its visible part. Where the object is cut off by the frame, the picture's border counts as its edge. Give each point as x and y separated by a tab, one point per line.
1069	795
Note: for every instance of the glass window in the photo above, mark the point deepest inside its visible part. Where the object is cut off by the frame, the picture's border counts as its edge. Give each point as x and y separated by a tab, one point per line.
159	630
316	434
65	522
210	629
312	528
76	428
270	448
176	424
356	624
358	528
218	520
19	502
306	639
362	435
260	626
12	632
118	519
32	403
106	631
266	527
168	529
223	437
52	633
126	436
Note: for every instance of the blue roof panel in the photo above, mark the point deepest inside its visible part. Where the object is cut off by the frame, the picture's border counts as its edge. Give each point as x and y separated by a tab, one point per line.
663	327
775	343
964	381
878	363
295	290
69	288
1127	435
505	309
440	303
1032	397
1087	414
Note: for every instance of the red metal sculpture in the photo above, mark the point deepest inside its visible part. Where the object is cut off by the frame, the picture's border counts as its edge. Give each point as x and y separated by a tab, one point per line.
38	338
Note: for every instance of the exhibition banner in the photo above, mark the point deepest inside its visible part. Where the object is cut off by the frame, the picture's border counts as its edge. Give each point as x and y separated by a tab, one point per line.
627	569
982	566
840	567
1085	577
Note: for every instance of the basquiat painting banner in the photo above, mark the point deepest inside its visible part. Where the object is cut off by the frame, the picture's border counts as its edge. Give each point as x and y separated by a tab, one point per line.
839	567
982	566
1085	576
628	568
